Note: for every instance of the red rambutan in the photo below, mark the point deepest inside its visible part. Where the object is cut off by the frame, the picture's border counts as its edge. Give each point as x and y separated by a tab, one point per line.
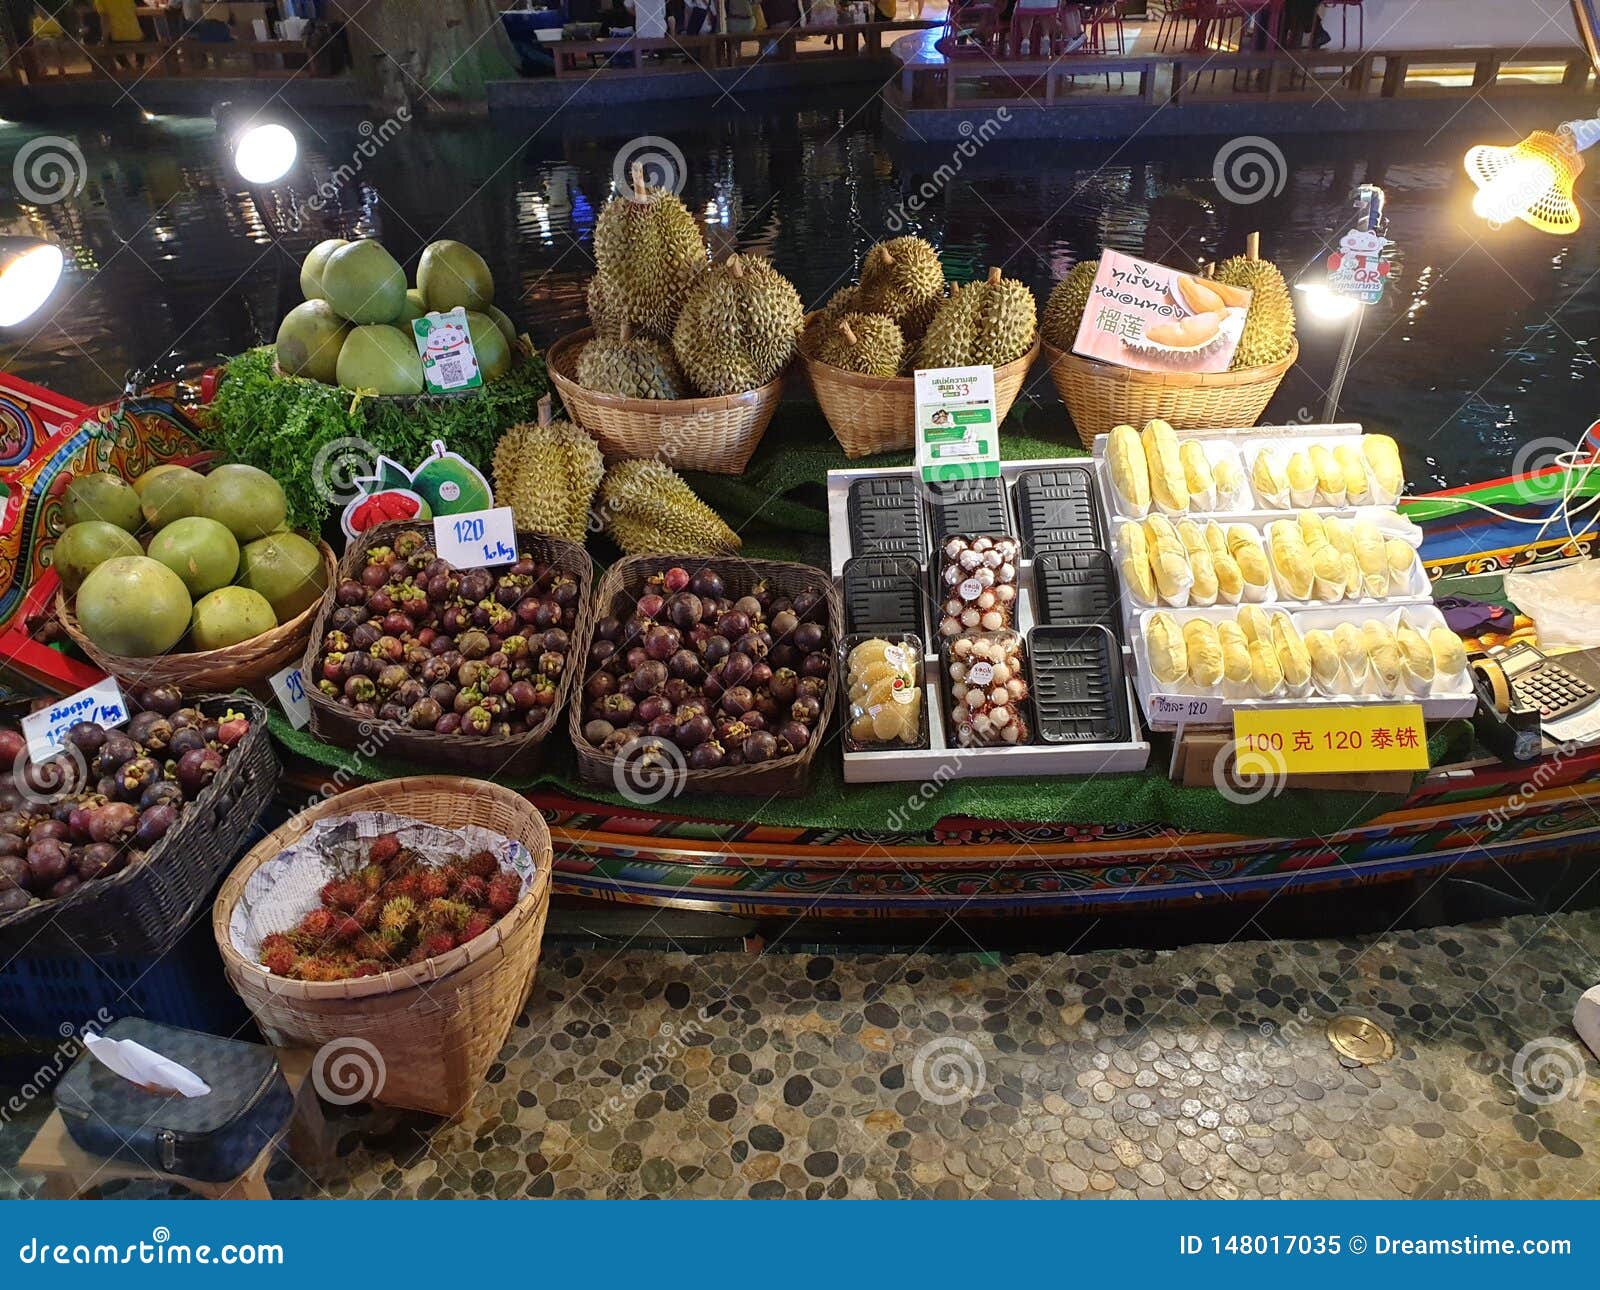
482	865
384	849
370	877
341	893
472	890
504	892
368	967
280	959
437	944
480	922
318	924
345	928
433	884
369	911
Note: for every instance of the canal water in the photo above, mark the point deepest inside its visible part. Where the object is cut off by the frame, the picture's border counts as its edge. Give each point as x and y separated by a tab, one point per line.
1483	342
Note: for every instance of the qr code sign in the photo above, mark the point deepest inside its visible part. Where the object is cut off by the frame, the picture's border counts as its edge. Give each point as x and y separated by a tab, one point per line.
451	371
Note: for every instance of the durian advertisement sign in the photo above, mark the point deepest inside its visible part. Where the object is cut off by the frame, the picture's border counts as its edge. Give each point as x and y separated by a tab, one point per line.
958	434
1159	319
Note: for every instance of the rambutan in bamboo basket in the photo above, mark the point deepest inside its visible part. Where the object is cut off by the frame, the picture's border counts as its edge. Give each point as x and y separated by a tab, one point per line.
718	435
247	665
871	414
436	1025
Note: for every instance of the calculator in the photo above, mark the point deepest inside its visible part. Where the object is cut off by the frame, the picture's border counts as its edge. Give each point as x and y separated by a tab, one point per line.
1555	686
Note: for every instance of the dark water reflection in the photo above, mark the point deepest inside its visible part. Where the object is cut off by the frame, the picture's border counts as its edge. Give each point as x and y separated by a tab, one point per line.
1485	341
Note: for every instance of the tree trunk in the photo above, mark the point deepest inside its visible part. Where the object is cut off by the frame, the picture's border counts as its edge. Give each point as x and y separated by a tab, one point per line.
410	51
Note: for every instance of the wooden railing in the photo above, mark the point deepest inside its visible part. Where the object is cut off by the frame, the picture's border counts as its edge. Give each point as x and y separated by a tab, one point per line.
652	55
49	60
1188	76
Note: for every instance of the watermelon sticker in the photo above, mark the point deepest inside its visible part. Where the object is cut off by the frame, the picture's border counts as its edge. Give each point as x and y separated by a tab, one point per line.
446	483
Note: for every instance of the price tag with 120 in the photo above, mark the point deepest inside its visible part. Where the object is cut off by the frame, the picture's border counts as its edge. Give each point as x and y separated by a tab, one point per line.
1331	740
476	539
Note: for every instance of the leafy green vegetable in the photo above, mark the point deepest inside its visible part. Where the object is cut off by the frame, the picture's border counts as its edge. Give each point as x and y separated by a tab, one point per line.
282	423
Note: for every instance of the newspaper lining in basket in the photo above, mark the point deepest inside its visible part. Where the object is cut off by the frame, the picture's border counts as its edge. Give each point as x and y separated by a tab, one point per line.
287	888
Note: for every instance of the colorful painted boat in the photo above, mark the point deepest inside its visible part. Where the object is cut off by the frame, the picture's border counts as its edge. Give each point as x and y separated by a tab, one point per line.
1474	816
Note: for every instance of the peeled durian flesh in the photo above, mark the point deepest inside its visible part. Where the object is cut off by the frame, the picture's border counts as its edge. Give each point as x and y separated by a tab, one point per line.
1449	656
1415	654
1324	656
1130	473
1235	653
1197	471
1357	491
1204	651
1136	570
1169	487
1382	651
1383	457
1169	657
1293	660
1266	673
1269	480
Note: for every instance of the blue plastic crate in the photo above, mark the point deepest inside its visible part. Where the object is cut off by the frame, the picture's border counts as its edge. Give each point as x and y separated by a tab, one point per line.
44	999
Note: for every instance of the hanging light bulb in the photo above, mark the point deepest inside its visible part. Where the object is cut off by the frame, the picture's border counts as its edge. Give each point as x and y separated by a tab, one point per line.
1532	181
29	271
264	154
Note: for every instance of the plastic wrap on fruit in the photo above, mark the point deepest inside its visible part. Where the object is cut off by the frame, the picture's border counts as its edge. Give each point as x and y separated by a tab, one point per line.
988	690
885	694
977	583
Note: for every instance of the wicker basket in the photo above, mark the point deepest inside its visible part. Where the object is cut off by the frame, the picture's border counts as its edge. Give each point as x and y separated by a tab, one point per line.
718	435
782	776
488	754
871	414
143	910
436	1025
246	665
1100	396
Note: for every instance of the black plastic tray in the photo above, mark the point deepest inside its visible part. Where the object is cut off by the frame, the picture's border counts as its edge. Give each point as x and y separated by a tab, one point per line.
1078	691
1076	587
886	517
971	506
1056	509
883	595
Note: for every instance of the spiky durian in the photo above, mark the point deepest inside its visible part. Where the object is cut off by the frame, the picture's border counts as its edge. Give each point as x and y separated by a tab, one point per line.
1063	312
547	474
649	249
993	321
1269	324
605	314
648	509
870	344
636	367
903	279
738	327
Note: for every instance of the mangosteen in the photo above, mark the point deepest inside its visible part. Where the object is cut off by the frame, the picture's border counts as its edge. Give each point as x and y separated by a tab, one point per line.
448	724
12	899
759	746
617	708
350	592
735	669
677	690
443	693
684	610
100	860
599	685
785	622
793	736
197	769
810	605
706	756
136	776
737	701
48	862
117	749
86	736
597	731
45	830
755	644
153	825
716	649
686	665
706	583
164	790
184	741
649	676
693	730
64	886
806	708
815	665
608	629
733	624
392	711
784	684
476	584
150	730
14	872
473	644
11	845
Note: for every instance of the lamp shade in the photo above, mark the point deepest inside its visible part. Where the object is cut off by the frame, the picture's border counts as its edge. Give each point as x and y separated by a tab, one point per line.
1531	181
30	268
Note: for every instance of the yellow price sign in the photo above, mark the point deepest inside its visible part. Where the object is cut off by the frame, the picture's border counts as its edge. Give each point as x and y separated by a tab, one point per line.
1330	740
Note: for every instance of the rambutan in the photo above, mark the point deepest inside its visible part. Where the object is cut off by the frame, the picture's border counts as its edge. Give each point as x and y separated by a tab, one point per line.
343	894
345	928
445	915
472	890
368	946
384	849
371	877
280	959
368	912
407	884
504	892
317	925
399	915
317	967
482	865
368	967
433	884
437	944
480	922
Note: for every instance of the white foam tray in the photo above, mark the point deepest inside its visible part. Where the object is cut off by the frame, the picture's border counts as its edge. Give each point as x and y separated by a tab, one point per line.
941	760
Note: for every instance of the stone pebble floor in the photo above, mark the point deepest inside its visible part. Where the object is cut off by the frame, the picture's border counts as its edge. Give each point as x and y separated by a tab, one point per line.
1203	1071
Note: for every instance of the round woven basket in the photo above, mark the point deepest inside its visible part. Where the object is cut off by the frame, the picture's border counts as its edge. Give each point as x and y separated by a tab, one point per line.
247	665
718	435
1100	396
438	1024
870	414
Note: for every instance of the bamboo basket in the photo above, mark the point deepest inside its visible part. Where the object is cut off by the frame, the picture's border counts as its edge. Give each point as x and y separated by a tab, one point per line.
486	754
872	414
436	1025
782	776
718	435
1100	396
247	665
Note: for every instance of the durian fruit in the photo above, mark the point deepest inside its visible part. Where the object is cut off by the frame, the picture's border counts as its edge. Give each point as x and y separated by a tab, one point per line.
1326	666
1266	673
1268	333
1254	624
1294	661
1416	657
648	510
1235	653
1383	653
1330	475
1342	538
1291	562
1268	478
1230	578
1135	564
1203	587
1202	484
635	367
738	327
1169	656
605	312
1352	646
649	249
1229	480
1302	477
1251	559
903	279
1169	488
1204	649
547	474
1357	489
868	344
1130	472
1063	311
992	321
1401	559
1383	458
1169	560
1449	656
1371	558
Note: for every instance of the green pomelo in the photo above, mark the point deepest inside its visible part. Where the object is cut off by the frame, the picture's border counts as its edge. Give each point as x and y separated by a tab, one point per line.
230	615
286	570
416	306
494	355
382	359
102	496
311	267
249	502
364	283
133	606
155	472
86	545
200	551
502	320
451	274
172	495
309	338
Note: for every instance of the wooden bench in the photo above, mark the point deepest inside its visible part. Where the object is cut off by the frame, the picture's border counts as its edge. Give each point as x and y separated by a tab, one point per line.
649	55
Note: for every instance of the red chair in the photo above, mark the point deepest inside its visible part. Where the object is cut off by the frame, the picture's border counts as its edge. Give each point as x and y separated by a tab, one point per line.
1100	19
1173	15
973	30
